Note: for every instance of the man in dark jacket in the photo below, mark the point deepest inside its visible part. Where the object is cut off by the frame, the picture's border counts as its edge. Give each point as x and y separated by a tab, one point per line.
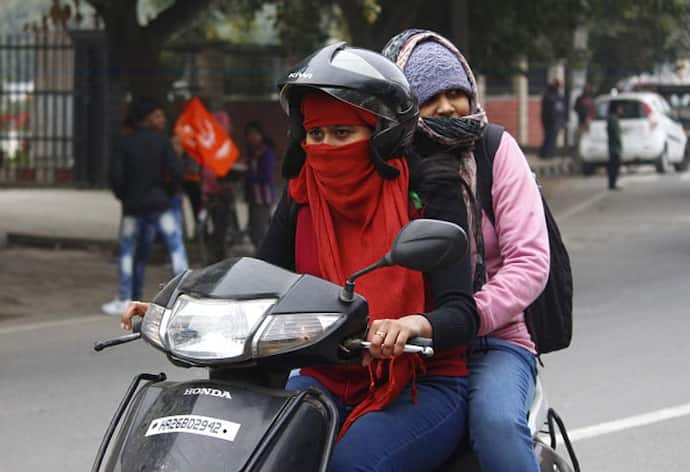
552	118
613	130
144	168
584	108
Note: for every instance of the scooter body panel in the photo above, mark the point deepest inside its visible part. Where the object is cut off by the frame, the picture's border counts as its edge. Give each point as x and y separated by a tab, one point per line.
226	426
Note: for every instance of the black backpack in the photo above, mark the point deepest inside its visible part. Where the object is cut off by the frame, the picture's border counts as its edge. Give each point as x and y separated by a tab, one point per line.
550	317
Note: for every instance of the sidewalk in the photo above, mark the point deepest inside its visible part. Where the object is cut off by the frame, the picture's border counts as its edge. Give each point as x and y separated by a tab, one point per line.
89	219
48	286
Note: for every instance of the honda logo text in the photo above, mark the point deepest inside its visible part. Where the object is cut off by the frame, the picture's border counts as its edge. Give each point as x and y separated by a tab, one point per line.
214	392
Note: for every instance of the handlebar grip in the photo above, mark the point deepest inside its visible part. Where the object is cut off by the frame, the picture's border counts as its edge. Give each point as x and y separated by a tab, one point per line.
100	345
136	324
426	351
420	341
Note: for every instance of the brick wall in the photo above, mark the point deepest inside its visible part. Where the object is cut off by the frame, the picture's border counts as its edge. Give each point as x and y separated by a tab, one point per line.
503	110
500	109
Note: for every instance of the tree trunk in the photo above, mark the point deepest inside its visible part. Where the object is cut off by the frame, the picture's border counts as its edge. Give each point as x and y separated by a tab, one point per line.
135	50
136	64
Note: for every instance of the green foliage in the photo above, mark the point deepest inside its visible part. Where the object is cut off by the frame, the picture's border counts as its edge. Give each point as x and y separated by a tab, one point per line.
14	14
505	29
635	37
300	24
625	36
229	20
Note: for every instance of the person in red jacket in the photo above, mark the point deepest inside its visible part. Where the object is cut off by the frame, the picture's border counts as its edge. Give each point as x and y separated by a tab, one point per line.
352	116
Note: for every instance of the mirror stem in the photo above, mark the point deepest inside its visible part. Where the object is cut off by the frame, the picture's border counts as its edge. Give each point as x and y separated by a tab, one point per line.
347	294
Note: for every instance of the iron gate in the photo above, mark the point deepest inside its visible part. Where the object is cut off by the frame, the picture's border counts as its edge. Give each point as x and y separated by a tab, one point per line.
53	108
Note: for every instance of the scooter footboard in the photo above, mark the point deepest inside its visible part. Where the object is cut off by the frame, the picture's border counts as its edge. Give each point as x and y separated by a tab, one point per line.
225	426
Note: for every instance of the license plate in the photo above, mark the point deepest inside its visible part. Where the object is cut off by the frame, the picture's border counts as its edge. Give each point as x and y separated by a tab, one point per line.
194	424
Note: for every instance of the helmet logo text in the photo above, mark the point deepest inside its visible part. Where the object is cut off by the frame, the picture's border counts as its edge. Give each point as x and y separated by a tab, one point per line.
300	75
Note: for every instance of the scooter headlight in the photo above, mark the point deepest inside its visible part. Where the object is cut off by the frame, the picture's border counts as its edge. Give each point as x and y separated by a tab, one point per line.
151	325
283	333
208	329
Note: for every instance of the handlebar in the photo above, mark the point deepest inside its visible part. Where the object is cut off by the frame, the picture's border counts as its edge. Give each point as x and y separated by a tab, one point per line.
100	345
136	334
418	345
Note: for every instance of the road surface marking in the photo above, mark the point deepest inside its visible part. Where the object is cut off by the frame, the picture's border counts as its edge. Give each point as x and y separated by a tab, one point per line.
630	422
685	176
574	210
52	324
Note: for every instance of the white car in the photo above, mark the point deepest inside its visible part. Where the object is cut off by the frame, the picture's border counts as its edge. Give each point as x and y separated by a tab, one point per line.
651	133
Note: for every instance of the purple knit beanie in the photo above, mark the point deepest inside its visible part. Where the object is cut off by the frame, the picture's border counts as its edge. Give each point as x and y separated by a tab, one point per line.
432	69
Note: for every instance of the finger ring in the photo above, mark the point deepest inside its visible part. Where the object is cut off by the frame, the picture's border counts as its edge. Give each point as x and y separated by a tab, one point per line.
380	333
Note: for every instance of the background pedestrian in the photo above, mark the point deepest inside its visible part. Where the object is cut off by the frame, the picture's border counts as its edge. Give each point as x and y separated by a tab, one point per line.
613	130
259	187
552	118
584	108
191	178
144	167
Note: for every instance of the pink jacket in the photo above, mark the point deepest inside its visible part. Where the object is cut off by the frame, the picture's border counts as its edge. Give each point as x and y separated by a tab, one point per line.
517	250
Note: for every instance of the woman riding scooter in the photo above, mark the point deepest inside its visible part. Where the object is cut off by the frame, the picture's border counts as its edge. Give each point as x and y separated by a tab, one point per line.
352	117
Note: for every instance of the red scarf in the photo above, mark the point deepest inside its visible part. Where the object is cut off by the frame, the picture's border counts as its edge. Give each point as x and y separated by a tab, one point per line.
357	215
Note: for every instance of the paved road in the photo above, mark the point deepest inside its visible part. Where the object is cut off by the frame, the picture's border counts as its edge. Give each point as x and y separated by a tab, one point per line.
627	368
626	371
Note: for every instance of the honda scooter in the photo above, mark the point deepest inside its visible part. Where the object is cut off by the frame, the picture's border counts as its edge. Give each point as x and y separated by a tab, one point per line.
249	323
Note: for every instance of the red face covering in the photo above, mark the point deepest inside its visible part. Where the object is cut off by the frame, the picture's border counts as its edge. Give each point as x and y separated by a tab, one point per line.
357	215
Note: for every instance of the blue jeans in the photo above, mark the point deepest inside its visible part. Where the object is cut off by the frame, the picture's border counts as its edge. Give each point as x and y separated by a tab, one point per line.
136	239
176	206
502	384
405	436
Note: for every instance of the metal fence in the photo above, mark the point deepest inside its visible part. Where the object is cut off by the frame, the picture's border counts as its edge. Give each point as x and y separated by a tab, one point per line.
56	115
36	108
48	82
226	72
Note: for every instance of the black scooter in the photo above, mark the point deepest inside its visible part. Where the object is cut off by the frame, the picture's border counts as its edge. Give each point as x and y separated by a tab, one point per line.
249	323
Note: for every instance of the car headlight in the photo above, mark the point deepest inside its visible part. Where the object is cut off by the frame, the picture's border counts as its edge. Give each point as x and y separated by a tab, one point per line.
282	333
208	329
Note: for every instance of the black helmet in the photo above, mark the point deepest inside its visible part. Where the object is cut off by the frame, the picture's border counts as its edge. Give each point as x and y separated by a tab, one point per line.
361	78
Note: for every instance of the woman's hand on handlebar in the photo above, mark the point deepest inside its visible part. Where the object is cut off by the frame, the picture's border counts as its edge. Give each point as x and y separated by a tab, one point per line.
133	309
388	337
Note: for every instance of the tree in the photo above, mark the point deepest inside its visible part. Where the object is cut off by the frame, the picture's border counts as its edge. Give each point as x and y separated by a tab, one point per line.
371	23
499	30
631	37
15	14
135	49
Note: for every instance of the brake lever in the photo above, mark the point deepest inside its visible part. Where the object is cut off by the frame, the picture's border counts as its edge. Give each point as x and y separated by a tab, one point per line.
136	334
100	345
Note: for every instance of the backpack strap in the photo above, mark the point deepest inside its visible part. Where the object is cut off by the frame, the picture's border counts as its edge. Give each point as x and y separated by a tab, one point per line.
484	154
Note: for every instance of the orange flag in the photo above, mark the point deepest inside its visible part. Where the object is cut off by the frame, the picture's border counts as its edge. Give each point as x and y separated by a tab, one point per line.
204	139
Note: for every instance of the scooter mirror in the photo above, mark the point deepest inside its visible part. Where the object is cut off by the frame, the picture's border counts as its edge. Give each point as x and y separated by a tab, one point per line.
425	245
